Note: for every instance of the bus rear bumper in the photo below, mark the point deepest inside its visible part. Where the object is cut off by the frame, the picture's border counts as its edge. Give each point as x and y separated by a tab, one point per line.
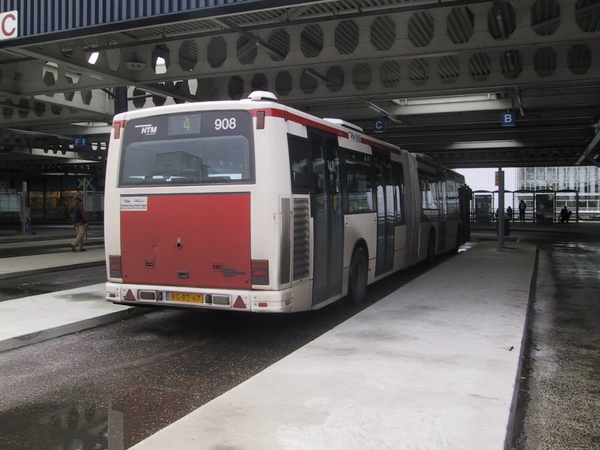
199	298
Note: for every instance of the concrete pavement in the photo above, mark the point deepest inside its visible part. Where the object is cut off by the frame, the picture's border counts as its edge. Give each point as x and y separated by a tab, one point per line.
33	319
435	365
43	263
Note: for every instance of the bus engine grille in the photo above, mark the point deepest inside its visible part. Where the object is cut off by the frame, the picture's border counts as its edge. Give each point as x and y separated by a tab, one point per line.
301	238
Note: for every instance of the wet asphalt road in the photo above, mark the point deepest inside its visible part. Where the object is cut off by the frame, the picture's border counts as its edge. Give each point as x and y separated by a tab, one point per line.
112	386
559	401
51	282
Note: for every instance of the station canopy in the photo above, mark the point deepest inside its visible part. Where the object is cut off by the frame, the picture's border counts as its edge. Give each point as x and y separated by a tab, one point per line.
469	83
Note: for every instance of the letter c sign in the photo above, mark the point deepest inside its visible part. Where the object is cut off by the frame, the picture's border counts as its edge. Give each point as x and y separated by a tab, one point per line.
380	126
9	25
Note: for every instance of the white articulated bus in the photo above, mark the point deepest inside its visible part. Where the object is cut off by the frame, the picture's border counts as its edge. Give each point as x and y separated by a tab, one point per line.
250	205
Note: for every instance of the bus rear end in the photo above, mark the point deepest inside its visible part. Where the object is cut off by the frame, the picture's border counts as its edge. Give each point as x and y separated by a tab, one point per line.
178	212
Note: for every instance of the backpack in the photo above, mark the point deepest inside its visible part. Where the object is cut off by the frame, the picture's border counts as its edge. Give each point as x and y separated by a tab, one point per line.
75	213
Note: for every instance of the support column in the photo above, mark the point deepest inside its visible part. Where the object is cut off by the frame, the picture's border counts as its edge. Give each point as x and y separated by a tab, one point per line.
500	217
120	99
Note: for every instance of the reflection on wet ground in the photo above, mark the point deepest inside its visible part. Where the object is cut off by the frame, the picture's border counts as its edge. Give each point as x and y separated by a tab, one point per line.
126	419
137	413
52	427
26	286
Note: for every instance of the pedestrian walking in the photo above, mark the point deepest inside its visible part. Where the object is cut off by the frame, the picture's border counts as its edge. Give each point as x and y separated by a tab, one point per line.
26	219
522	207
78	216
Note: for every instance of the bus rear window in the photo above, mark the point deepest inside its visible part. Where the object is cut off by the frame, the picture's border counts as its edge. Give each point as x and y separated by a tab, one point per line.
155	152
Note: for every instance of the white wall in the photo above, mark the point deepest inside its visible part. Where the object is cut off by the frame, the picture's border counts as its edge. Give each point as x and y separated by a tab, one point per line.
485	179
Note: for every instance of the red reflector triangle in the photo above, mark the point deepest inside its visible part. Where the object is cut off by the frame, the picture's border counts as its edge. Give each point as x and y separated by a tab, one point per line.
129	296
239	303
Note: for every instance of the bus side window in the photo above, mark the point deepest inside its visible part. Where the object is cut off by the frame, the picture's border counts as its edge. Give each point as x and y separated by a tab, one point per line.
431	196
359	182
299	159
452	199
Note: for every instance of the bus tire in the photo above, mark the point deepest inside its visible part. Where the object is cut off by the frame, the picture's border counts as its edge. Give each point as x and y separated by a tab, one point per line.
357	279
431	248
457	244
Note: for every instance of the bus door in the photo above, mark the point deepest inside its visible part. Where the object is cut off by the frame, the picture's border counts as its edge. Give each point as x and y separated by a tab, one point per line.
443	232
326	197
465	196
386	215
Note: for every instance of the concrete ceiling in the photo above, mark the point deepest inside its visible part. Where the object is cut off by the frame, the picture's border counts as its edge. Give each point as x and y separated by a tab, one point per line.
441	74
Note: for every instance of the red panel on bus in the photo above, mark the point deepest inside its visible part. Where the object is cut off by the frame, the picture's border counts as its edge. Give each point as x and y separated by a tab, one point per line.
187	240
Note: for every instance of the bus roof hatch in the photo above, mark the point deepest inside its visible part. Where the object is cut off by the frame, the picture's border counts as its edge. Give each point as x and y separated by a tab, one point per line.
344	124
262	95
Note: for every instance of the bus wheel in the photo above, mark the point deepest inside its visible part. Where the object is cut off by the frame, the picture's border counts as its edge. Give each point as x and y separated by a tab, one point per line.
457	245
431	248
357	280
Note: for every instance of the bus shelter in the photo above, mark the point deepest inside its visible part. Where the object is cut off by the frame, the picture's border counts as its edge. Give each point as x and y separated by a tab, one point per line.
541	206
544	206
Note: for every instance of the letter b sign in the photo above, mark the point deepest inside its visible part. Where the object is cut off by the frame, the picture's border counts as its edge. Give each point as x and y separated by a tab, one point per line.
508	119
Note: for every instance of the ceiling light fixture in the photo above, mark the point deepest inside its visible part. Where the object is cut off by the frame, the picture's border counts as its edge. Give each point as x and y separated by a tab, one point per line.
383	112
418	101
485	144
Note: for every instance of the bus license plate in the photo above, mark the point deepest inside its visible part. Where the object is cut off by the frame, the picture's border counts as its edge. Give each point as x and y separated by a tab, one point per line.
184	297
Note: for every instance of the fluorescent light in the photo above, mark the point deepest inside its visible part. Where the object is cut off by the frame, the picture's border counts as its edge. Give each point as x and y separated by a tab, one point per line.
485	144
448	99
450	104
382	111
93	58
161	66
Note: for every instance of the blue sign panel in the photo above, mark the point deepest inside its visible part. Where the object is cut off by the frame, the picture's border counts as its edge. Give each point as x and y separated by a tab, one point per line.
380	126
508	118
80	142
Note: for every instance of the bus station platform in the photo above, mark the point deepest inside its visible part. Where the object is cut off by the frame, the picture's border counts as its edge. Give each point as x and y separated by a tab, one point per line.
28	320
435	364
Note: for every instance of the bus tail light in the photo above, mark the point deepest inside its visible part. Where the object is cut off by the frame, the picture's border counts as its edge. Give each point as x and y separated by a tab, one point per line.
118	125
260	271
115	268
260	120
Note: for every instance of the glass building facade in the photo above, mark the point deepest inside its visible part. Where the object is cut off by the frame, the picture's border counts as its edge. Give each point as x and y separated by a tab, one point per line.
573	187
48	197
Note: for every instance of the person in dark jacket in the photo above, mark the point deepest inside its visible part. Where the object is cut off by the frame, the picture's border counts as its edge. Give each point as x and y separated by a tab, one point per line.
78	216
565	215
522	208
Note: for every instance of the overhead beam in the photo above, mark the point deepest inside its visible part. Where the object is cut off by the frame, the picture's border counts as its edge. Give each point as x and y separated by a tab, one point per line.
591	147
102	77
